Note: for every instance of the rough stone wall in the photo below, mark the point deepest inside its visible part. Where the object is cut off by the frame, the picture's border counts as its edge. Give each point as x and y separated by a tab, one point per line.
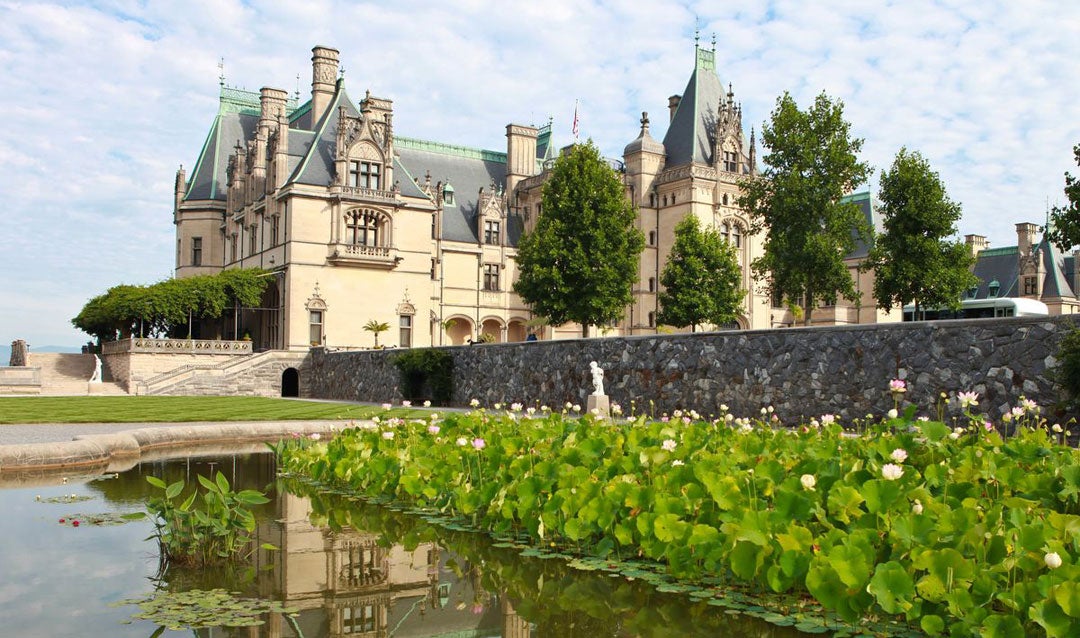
131	368
800	372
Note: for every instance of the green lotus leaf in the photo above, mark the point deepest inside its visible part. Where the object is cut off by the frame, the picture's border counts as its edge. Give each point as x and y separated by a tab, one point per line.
932	624
1053	619
1067	596
892	587
669	528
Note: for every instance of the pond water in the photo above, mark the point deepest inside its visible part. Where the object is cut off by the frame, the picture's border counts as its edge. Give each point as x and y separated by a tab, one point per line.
349	568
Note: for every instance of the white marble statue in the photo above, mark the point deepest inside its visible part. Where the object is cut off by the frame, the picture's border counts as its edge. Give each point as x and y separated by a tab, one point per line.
96	377
597	379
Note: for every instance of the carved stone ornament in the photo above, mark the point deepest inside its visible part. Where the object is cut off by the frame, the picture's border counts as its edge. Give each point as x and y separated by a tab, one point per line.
315	301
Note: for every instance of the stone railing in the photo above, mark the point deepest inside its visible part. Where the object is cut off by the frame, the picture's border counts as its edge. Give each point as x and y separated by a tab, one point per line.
20	375
176	346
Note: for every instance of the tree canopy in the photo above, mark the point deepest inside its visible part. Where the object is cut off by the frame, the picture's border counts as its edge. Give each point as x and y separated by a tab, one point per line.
126	310
1065	220
701	279
811	164
914	260
580	262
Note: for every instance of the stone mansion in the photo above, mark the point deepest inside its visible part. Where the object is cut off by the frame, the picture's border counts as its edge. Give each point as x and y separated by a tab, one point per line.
360	224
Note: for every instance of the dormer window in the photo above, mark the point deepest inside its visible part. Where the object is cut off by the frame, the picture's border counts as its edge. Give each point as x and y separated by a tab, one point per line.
731	163
993	288
491	232
448	195
365	174
973	292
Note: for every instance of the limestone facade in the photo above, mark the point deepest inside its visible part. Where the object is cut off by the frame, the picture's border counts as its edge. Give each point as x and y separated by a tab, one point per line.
416	240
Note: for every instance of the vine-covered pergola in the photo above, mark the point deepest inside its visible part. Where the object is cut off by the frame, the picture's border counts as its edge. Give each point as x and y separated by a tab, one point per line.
165	306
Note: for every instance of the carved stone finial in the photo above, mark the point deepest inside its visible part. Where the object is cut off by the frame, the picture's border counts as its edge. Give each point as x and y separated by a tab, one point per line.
644	121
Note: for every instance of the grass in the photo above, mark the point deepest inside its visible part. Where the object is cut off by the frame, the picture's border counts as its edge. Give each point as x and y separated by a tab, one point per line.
177	410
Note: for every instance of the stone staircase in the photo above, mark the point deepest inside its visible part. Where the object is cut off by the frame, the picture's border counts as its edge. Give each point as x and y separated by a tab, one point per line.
69	374
254	375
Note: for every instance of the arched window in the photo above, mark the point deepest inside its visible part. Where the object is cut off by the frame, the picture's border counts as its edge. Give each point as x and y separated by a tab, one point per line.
736	236
364	228
725	231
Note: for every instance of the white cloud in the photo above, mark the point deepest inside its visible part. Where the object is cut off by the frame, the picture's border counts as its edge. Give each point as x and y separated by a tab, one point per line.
103	100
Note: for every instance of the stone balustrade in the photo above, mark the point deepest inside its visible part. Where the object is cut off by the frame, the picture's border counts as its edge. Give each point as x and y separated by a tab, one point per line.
176	346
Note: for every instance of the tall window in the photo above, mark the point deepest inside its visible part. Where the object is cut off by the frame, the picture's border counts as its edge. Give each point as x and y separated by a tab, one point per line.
196	251
232	247
491	232
491	277
405	331
652	237
736	236
274	229
731	163
253	240
1030	286
361	228
652	319
364	174
315	322
652	284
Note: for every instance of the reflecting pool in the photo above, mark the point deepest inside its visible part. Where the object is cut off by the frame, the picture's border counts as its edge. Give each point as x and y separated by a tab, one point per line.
348	569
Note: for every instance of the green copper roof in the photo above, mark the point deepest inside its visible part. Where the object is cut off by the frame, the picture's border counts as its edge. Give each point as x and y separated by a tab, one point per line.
996	252
855	197
450	149
247	102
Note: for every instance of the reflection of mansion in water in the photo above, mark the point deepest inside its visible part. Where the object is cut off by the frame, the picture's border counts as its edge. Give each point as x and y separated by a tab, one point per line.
345	583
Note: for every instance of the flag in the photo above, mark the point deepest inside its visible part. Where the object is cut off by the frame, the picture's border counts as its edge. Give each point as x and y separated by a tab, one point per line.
575	121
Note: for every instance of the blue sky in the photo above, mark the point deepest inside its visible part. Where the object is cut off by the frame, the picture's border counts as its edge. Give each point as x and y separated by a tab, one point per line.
103	101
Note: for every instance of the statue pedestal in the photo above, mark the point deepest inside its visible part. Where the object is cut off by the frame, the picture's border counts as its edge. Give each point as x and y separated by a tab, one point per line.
601	404
93	387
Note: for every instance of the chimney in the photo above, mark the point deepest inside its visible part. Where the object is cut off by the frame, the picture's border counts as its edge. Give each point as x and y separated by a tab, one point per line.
520	154
1025	237
179	189
976	244
673	105
324	70
272	104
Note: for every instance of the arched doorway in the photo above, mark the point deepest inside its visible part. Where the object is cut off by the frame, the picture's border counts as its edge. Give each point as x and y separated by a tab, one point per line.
459	330
290	383
492	330
516	330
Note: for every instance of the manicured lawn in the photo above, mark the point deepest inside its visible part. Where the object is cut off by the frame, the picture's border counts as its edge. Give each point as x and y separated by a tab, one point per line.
174	409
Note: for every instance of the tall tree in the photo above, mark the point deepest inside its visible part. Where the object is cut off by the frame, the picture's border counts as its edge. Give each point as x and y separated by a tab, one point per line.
1065	221
580	262
914	261
701	279
810	165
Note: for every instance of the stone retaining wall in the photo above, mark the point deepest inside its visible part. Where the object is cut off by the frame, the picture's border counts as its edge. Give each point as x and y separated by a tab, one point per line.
799	371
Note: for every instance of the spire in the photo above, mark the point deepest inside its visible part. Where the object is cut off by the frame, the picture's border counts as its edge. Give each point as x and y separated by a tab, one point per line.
753	153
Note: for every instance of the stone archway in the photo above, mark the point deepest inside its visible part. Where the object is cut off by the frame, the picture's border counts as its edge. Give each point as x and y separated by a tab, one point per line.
459	330
290	382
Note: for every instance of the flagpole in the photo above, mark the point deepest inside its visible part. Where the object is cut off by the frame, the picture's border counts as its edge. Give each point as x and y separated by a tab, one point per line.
575	130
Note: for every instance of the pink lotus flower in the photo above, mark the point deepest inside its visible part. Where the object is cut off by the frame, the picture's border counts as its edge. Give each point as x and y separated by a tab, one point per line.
479	443
898	386
968	399
433	429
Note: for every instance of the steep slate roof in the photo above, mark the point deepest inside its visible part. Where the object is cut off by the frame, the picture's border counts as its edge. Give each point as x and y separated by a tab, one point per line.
466	169
1003	265
692	133
236	121
310	152
866	204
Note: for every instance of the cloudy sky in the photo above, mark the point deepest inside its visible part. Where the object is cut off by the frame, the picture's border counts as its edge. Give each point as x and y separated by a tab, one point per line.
105	100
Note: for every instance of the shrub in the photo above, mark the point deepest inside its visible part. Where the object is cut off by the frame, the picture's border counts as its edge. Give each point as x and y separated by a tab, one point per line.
1067	373
426	373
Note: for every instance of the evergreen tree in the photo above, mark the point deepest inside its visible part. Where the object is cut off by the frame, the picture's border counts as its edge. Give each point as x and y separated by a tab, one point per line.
701	279
580	262
811	164
1065	222
914	260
